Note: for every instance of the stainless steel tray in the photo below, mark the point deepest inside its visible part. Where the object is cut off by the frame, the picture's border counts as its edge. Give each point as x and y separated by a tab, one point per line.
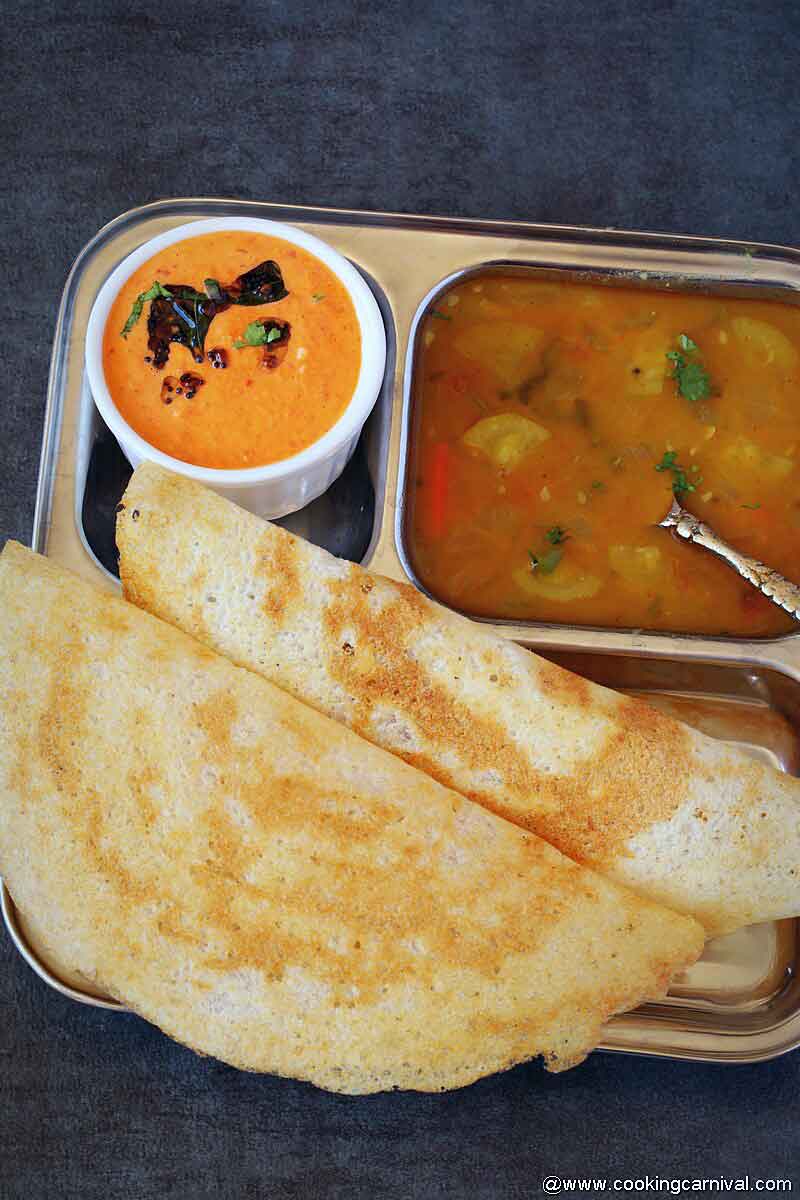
741	1002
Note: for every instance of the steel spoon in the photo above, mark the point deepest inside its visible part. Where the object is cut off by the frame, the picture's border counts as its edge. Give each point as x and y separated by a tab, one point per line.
774	586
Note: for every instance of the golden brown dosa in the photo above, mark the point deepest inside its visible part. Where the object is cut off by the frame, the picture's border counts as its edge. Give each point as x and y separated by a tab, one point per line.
683	819
270	888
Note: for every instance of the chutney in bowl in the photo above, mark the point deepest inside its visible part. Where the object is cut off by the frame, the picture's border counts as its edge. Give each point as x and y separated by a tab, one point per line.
242	352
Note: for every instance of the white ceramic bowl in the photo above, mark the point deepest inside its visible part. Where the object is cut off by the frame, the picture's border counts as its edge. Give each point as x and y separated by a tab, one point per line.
281	487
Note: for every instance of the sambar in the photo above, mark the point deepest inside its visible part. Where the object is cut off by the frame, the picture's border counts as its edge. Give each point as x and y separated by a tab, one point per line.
552	422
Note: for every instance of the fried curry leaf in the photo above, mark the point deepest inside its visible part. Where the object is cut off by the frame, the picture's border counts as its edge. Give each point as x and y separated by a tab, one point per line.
152	293
260	285
183	315
694	382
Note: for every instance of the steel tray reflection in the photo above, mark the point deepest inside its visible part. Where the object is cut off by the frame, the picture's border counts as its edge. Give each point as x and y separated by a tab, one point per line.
741	1002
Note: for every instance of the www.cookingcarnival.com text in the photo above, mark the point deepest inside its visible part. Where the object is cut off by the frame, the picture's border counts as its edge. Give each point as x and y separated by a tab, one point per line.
555	1185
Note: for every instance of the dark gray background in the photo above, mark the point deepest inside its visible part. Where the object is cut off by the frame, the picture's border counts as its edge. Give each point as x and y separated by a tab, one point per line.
677	116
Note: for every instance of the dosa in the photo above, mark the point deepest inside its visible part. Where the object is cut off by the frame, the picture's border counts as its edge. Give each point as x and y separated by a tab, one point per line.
271	889
681	818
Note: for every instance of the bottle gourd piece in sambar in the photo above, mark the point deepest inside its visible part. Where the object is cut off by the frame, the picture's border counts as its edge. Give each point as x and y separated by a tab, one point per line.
553	423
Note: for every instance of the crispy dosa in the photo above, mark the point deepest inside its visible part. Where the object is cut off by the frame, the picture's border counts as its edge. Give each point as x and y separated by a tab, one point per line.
271	889
682	819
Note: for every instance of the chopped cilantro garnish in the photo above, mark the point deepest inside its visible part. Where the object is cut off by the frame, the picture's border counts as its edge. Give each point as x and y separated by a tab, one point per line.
317	296
556	535
258	334
436	312
545	563
680	480
152	293
598	485
694	382
753	506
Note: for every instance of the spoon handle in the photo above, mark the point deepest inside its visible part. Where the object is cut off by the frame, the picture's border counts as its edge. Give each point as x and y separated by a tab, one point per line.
773	585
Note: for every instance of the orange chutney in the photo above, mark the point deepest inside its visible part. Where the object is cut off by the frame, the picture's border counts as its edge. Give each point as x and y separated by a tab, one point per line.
245	415
551	423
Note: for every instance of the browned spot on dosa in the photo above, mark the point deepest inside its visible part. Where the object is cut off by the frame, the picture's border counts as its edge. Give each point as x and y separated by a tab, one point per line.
381	671
563	688
216	716
143	784
356	911
334	896
632	782
63	734
635	781
276	561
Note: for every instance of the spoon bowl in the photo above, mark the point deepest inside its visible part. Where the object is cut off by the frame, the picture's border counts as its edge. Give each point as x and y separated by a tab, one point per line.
770	583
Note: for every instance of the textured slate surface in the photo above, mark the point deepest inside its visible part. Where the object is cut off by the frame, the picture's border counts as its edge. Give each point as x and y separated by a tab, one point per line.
672	115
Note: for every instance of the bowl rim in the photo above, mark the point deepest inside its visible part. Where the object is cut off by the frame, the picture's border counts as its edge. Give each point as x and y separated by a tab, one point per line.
348	425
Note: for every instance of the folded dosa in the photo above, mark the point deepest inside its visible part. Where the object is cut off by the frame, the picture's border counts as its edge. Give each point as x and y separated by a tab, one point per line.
681	818
270	888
